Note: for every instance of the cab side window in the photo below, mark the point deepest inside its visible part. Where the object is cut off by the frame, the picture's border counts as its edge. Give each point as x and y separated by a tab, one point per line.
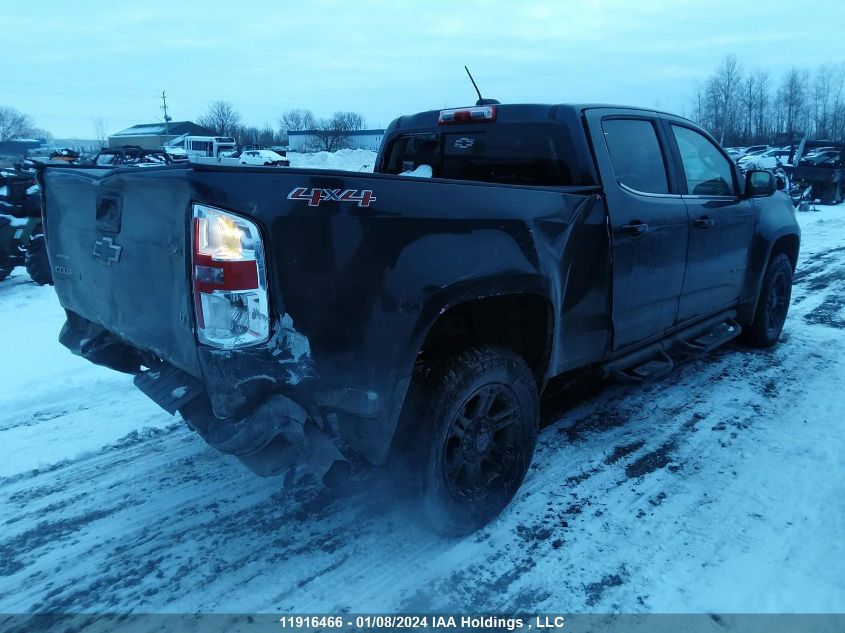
635	154
707	171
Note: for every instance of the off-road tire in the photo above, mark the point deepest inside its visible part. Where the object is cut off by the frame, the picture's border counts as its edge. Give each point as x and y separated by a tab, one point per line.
6	265
773	304
446	402
829	194
37	263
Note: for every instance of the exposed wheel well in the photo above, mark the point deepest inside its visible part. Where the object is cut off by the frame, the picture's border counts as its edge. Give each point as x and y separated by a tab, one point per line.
788	244
521	322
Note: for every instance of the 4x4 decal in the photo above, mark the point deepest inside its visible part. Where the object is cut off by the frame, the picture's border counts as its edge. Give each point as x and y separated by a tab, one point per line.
364	197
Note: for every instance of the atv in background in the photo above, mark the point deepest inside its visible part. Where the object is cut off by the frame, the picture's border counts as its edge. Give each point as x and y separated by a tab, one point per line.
816	169
21	234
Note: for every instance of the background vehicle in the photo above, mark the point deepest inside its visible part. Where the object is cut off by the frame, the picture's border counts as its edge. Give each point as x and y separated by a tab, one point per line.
21	235
765	160
208	149
131	155
421	317
756	149
823	170
263	157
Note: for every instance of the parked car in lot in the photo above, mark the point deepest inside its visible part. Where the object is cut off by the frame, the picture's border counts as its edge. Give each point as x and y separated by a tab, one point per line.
756	149
421	318
263	157
765	160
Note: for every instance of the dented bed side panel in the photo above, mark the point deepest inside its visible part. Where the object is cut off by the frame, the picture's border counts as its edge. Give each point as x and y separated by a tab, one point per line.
356	288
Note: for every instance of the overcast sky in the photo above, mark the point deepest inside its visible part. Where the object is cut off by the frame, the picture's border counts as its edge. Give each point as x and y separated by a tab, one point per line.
68	63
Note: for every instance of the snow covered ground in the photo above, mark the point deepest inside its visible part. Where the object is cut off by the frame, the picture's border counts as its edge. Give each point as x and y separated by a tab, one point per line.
718	489
347	159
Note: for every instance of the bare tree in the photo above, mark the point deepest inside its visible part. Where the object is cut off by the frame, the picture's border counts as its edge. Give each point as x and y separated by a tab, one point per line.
744	108
698	103
763	104
822	88
38	132
838	106
267	136
100	130
792	96
335	132
221	118
14	124
749	101
726	85
298	120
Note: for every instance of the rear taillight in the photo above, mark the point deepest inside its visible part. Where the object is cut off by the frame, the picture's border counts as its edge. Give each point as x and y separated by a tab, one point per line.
479	114
230	279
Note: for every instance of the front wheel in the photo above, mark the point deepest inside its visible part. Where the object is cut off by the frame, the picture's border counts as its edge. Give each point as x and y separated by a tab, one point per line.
476	416
773	304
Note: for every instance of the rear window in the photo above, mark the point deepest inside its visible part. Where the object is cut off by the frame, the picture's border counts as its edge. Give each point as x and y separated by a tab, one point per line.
538	154
635	154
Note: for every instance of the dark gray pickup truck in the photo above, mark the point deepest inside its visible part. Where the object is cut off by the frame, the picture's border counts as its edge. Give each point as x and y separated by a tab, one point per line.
420	311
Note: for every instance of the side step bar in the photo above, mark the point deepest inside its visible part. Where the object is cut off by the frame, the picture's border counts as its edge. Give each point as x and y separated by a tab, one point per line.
653	361
652	369
716	337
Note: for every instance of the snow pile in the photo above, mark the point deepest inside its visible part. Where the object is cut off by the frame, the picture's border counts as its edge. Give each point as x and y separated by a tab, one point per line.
344	159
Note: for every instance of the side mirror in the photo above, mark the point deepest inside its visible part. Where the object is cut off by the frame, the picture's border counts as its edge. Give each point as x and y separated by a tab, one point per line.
759	183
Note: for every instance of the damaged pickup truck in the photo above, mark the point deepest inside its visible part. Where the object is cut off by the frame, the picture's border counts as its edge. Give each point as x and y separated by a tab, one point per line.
420	311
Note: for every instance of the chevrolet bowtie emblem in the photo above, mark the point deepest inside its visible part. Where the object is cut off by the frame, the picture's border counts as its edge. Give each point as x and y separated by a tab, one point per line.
107	251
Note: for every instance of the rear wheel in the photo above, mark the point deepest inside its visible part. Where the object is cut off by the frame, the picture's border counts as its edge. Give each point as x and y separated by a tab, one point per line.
37	262
476	417
772	305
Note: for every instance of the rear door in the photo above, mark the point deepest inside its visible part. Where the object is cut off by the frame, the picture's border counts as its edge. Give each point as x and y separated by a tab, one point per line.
721	222
648	221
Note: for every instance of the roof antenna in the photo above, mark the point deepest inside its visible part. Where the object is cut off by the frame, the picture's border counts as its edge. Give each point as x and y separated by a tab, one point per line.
481	101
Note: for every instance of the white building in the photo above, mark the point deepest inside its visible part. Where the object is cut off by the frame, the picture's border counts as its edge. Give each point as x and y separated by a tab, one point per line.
308	140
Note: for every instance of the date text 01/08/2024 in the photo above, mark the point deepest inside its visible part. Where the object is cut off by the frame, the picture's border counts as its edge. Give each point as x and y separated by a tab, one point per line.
428	622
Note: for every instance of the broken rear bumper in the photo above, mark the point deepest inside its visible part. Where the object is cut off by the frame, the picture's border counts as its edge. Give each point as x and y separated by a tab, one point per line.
269	432
275	437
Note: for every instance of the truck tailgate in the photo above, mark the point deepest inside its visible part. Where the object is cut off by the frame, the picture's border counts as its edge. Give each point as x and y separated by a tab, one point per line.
118	246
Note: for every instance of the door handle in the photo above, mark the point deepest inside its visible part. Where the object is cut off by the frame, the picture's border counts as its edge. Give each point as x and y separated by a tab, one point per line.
634	229
703	222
